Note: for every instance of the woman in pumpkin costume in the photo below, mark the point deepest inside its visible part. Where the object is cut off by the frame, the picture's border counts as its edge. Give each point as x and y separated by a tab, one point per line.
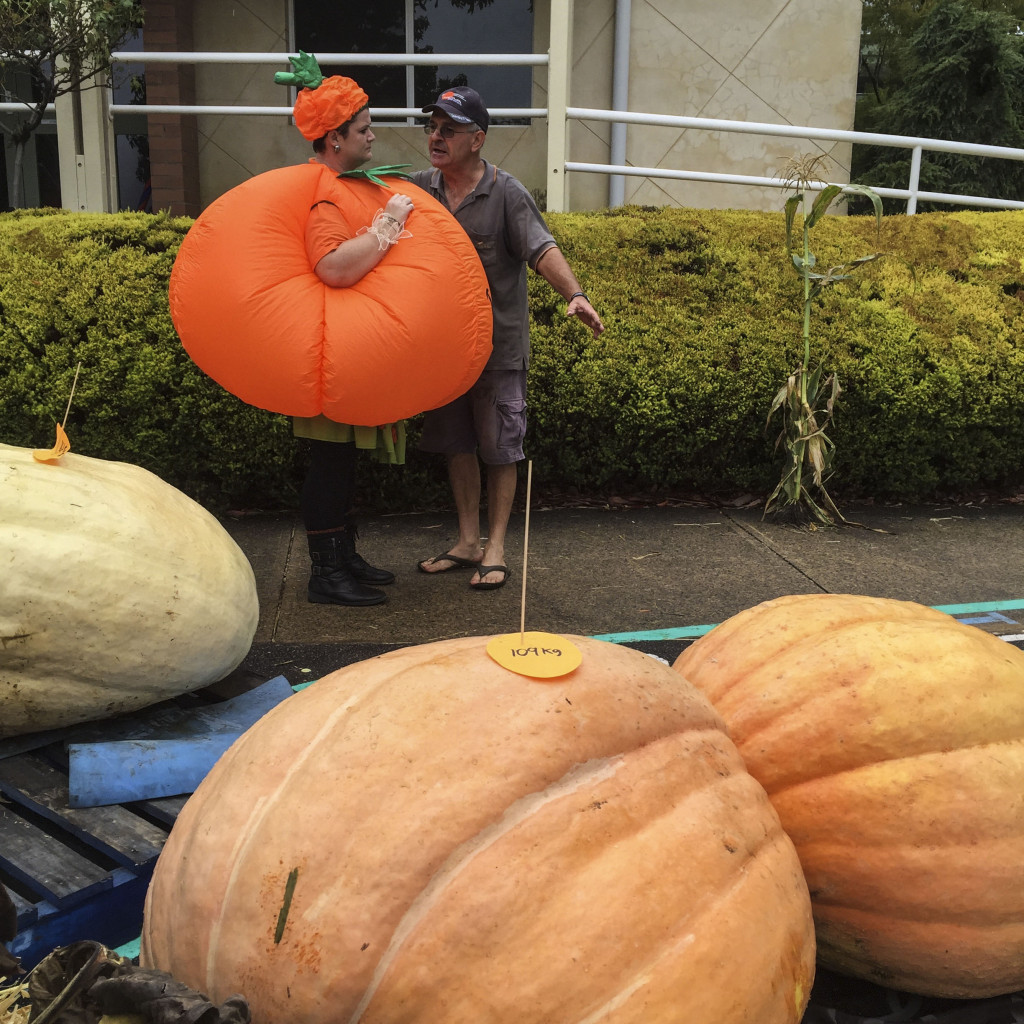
301	292
333	113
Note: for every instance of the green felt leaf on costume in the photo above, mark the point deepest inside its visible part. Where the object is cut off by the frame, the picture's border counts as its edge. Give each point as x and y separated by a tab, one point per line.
374	174
306	74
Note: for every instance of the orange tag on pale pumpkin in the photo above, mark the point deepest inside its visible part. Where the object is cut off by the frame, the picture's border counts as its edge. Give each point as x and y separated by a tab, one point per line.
537	655
61	447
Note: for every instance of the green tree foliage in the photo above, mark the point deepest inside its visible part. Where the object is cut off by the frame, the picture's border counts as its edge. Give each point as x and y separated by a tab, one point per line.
948	69
60	46
887	27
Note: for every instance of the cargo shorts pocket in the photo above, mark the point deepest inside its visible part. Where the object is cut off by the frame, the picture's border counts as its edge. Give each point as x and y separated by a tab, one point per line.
511	424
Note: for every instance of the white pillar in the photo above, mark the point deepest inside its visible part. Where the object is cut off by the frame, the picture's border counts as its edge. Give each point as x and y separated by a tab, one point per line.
915	179
559	75
620	98
87	150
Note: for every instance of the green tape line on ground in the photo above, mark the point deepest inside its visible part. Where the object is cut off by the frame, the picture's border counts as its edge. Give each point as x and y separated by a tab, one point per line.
692	632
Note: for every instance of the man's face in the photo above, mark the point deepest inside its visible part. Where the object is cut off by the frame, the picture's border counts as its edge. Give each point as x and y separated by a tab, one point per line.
452	152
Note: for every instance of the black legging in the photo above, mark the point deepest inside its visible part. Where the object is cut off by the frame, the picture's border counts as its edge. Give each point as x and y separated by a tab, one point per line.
329	487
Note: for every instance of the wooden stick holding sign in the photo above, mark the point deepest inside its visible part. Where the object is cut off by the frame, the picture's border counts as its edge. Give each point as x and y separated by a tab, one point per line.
534	654
526	550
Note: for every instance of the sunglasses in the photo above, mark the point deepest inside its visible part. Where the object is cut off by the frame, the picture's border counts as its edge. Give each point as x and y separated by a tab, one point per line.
446	131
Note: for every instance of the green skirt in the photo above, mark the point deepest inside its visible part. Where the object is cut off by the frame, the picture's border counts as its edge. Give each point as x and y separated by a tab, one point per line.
387	443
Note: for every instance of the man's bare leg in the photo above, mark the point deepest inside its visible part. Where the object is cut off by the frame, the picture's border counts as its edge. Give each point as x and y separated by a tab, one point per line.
464	476
501	493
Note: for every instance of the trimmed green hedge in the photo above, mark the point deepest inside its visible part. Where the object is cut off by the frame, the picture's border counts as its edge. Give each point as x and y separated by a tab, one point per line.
702	310
703	316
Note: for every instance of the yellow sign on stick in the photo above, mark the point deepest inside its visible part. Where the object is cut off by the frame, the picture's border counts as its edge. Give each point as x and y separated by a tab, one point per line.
537	655
61	447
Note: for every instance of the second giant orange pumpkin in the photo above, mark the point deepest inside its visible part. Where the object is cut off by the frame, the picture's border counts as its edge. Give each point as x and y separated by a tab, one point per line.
890	738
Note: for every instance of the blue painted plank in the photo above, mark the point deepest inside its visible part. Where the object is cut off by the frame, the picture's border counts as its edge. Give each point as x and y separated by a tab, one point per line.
26	911
234	715
693	632
170	720
160	719
170	760
128	770
130	949
645	636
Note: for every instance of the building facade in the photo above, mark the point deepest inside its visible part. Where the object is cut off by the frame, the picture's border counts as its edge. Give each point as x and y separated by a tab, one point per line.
788	62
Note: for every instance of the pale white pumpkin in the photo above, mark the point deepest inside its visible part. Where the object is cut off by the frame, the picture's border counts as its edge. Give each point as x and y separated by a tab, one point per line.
116	591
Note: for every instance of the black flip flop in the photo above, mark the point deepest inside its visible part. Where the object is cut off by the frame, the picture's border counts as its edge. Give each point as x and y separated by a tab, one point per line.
484	570
457	563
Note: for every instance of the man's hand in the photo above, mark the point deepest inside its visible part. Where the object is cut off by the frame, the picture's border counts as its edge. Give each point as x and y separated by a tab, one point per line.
581	308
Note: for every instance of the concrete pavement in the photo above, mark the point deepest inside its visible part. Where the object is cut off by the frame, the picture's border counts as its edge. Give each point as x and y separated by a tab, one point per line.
652	577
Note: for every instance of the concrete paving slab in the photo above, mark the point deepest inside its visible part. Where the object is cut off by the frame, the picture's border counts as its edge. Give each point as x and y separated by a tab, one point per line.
266	542
638	574
588	571
935	555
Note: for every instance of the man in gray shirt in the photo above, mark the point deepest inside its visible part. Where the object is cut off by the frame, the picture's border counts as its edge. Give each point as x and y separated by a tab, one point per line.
488	423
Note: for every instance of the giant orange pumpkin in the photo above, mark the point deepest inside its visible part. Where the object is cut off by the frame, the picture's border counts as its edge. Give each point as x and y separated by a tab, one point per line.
428	837
890	739
413	334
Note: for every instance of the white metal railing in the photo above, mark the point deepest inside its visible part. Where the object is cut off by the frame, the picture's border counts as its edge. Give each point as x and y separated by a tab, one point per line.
282	111
355	59
21	108
557	161
913	143
748	179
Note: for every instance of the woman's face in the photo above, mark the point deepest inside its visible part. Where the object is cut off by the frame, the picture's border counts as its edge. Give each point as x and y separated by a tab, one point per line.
357	148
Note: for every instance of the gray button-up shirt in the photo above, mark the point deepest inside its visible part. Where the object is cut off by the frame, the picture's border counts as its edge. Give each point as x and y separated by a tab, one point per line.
509	233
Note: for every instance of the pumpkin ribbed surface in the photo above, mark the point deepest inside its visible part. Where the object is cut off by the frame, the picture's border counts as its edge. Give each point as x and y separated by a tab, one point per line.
471	845
890	739
118	591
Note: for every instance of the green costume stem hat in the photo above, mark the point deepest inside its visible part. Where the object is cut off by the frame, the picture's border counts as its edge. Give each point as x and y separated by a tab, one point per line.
322	103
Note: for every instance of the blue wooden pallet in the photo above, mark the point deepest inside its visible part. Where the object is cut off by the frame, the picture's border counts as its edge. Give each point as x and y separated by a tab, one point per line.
73	873
86	810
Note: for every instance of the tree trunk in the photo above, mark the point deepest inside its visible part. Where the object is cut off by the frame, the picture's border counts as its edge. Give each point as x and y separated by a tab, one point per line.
16	176
19	137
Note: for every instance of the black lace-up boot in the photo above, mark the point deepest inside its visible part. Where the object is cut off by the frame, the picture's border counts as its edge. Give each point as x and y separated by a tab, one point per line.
332	581
356	564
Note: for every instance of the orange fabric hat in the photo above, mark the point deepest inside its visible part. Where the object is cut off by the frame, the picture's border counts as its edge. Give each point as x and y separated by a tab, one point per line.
318	111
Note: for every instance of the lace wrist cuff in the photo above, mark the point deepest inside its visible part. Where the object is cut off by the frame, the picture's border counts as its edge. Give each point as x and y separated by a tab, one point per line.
386	229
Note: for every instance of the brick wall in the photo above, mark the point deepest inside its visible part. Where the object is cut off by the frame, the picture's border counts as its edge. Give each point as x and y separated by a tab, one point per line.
173	138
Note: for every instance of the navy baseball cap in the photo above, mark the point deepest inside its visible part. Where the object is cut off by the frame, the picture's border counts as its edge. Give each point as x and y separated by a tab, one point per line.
461	104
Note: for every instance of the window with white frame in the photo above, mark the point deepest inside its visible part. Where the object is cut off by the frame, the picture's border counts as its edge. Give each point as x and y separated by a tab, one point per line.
422	26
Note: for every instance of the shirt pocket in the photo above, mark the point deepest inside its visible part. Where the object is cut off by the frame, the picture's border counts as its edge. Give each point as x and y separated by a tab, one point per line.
486	247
